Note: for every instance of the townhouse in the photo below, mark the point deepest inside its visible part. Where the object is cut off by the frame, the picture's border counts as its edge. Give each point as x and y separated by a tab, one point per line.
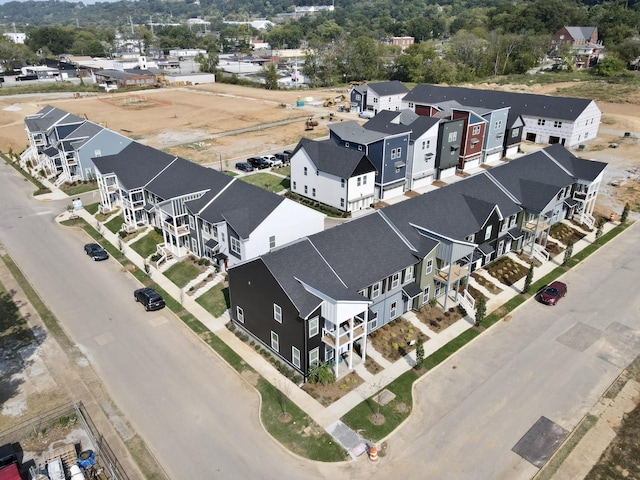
340	177
199	211
317	299
376	97
535	118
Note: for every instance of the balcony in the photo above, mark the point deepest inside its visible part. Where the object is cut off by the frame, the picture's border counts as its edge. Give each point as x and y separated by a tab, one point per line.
133	205
343	334
176	230
533	225
448	277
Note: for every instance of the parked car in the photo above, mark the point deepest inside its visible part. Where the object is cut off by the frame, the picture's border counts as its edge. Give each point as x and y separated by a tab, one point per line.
95	251
244	167
151	299
553	293
272	160
284	157
258	162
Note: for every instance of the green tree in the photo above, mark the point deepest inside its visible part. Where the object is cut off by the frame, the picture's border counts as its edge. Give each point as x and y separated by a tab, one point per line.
599	228
419	353
57	40
322	373
625	213
568	253
208	63
481	309
609	67
528	279
270	76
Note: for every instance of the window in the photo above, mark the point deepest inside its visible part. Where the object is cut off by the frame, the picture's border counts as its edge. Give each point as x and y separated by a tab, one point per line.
471	238
557	124
375	290
346	144
314	357
342	202
487	233
313	192
498	124
342	182
235	245
428	143
277	313
214	231
512	220
375	100
429	267
425	294
295	186
240	314
194	245
275	342
205	227
192	225
359	148
317	172
424	145
396	153
97	153
393	310
358	96
359	181
410	104
364	179
541	121
395	280
272	241
305	171
295	357
408	274
515	132
453	136
476	130
314	326
306	189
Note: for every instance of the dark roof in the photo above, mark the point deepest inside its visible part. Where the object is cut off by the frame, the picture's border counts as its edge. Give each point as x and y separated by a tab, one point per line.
51	152
211	243
242	205
364	250
561	108
455	211
352	131
183	177
49	116
515	233
580	168
123	75
393	87
411	289
384	122
486	249
339	161
136	165
534	179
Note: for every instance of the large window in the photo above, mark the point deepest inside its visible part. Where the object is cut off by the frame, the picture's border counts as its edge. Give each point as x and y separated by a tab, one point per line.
240	314
515	132
272	241
295	357
375	290
314	326
235	245
393	310
476	130
429	267
408	274
453	136
487	233
275	341
396	153
277	313
395	280
425	294
314	357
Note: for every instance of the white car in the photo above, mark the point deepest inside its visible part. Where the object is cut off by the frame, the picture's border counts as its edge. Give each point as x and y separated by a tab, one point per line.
272	160
366	114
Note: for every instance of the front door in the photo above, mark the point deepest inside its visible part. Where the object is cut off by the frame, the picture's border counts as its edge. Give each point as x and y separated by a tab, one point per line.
500	249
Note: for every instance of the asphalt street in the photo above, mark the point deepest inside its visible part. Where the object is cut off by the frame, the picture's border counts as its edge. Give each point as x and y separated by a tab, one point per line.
201	420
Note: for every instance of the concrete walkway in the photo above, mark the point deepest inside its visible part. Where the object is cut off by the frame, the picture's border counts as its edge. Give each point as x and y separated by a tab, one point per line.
326	417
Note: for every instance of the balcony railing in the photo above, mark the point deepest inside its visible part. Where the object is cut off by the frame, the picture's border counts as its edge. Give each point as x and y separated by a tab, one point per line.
535	226
343	334
451	274
178	230
133	205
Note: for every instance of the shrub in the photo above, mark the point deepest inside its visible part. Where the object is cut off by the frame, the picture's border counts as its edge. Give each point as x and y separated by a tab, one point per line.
433	302
231	326
122	233
322	373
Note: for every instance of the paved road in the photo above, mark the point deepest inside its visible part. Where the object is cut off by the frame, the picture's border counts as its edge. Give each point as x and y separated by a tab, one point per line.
201	420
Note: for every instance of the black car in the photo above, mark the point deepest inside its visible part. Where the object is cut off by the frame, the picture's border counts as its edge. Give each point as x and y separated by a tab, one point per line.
151	299
95	251
258	162
244	167
284	157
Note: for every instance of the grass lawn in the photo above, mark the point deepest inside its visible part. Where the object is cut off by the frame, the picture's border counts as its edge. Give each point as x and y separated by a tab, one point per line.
182	273
268	182
215	300
146	245
114	224
92	208
77	189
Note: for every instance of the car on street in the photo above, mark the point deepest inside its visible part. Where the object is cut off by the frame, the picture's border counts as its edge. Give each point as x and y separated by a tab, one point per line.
148	297
553	293
96	252
244	167
272	160
258	162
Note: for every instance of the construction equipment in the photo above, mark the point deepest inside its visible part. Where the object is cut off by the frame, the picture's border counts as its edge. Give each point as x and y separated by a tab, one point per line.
310	123
329	102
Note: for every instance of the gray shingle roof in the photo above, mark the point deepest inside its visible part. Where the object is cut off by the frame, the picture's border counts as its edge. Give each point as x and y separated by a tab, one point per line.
339	161
49	116
352	131
580	34
383	122
393	87
135	165
562	108
580	168
183	177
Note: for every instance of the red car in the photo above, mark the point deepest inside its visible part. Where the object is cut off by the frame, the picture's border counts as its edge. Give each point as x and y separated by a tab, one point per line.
552	293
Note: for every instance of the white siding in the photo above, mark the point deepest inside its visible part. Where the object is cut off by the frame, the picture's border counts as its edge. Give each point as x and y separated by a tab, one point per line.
586	126
422	162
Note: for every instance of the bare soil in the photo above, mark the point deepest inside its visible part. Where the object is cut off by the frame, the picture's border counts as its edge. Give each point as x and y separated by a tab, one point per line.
396	339
436	319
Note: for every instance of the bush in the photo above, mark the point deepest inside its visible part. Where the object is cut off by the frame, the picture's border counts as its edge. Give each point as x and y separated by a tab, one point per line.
231	326
322	373
122	233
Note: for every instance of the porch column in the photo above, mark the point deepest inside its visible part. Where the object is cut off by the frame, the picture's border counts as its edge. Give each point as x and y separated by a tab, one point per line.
351	324
366	334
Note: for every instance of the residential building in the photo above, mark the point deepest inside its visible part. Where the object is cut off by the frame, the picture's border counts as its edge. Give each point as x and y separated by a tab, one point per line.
385	96
358	98
126	78
584	43
535	118
340	177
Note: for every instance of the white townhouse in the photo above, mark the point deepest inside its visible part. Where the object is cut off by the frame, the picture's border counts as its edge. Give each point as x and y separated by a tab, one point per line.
385	96
333	175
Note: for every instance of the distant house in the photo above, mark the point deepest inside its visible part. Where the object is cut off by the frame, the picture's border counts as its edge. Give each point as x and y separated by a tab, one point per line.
584	43
340	177
385	96
126	78
358	98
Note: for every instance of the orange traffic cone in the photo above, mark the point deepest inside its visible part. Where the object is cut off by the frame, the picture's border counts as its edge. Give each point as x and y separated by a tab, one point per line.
373	453
612	217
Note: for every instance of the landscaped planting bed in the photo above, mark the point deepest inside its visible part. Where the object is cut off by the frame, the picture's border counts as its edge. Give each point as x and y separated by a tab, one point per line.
565	234
396	339
554	249
328	393
437	319
486	283
506	270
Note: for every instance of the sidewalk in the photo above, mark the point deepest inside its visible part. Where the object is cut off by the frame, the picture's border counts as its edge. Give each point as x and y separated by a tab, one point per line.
326	417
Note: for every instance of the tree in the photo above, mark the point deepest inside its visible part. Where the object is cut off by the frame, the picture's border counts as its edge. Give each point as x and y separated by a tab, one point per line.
481	309
208	63
322	373
528	279
609	67
419	353
599	228
270	76
568	252
625	213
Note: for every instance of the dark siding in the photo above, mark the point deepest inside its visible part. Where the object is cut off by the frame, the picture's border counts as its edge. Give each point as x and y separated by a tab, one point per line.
389	170
448	157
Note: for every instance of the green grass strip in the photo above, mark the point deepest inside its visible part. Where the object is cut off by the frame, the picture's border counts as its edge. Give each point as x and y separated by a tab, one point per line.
439	356
39	185
503	310
92	208
114	224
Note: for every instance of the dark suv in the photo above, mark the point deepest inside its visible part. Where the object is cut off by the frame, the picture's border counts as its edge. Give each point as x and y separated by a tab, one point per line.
258	162
285	156
149	298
